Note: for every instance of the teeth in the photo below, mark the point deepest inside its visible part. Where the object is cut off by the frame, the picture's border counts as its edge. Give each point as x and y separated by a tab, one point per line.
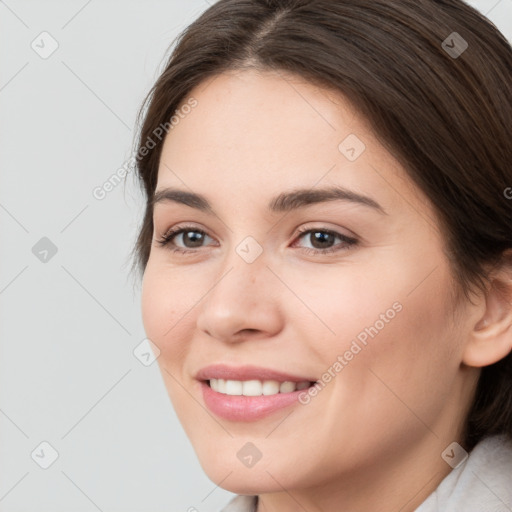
252	388
287	387
233	387
255	387
270	387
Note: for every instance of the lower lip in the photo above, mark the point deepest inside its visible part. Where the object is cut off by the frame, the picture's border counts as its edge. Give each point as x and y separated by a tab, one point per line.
246	408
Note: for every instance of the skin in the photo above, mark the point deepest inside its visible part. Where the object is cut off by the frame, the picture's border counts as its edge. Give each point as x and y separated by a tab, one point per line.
373	436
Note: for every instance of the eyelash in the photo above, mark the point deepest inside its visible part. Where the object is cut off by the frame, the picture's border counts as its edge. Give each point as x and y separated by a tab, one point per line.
349	242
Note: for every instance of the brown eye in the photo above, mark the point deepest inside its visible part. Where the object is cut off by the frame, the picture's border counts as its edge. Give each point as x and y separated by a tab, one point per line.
194	238
323	241
189	238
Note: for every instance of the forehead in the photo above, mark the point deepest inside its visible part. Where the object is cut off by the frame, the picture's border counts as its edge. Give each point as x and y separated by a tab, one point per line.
253	109
253	132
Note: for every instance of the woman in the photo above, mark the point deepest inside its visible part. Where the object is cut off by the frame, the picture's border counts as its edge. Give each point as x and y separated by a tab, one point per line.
327	252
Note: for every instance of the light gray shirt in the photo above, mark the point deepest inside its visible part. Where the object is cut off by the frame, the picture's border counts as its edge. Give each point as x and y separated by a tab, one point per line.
482	483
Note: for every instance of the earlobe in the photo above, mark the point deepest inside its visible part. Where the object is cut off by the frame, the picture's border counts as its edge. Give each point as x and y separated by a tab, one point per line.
490	340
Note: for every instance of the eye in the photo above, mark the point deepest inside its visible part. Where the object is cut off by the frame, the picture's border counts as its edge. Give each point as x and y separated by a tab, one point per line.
192	238
323	241
188	235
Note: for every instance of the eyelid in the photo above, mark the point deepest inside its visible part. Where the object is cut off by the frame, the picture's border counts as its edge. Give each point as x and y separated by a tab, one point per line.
174	231
347	241
323	226
297	231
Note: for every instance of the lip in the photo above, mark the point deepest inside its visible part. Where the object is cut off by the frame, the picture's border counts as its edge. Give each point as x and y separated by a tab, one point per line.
248	372
247	408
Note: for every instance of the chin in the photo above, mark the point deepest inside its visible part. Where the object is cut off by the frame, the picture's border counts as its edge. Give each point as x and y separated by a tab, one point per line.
262	477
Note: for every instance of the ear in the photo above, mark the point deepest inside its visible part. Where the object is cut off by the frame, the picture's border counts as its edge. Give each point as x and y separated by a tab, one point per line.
490	340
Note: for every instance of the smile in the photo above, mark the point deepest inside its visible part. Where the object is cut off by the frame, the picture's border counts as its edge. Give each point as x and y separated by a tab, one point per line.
255	387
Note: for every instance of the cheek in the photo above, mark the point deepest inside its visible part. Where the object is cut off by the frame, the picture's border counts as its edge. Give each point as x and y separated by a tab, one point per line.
410	363
386	319
399	295
167	318
154	301
166	299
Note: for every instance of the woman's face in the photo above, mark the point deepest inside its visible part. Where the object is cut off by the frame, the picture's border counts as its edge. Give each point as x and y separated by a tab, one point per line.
352	292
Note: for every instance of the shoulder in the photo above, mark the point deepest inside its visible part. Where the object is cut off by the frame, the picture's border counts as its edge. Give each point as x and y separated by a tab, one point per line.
483	482
241	503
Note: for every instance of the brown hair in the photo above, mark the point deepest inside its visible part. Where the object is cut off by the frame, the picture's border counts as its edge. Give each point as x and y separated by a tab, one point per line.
447	118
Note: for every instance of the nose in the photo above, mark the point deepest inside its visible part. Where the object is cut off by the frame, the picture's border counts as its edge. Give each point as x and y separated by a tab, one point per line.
242	302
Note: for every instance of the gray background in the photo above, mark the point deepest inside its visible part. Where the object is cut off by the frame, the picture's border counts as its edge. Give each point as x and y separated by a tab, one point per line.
69	325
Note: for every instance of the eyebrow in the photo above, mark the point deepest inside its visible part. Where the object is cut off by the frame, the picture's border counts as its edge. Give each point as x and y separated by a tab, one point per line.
284	202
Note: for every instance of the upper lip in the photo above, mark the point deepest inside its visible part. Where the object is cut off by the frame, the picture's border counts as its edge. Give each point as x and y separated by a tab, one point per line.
247	372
